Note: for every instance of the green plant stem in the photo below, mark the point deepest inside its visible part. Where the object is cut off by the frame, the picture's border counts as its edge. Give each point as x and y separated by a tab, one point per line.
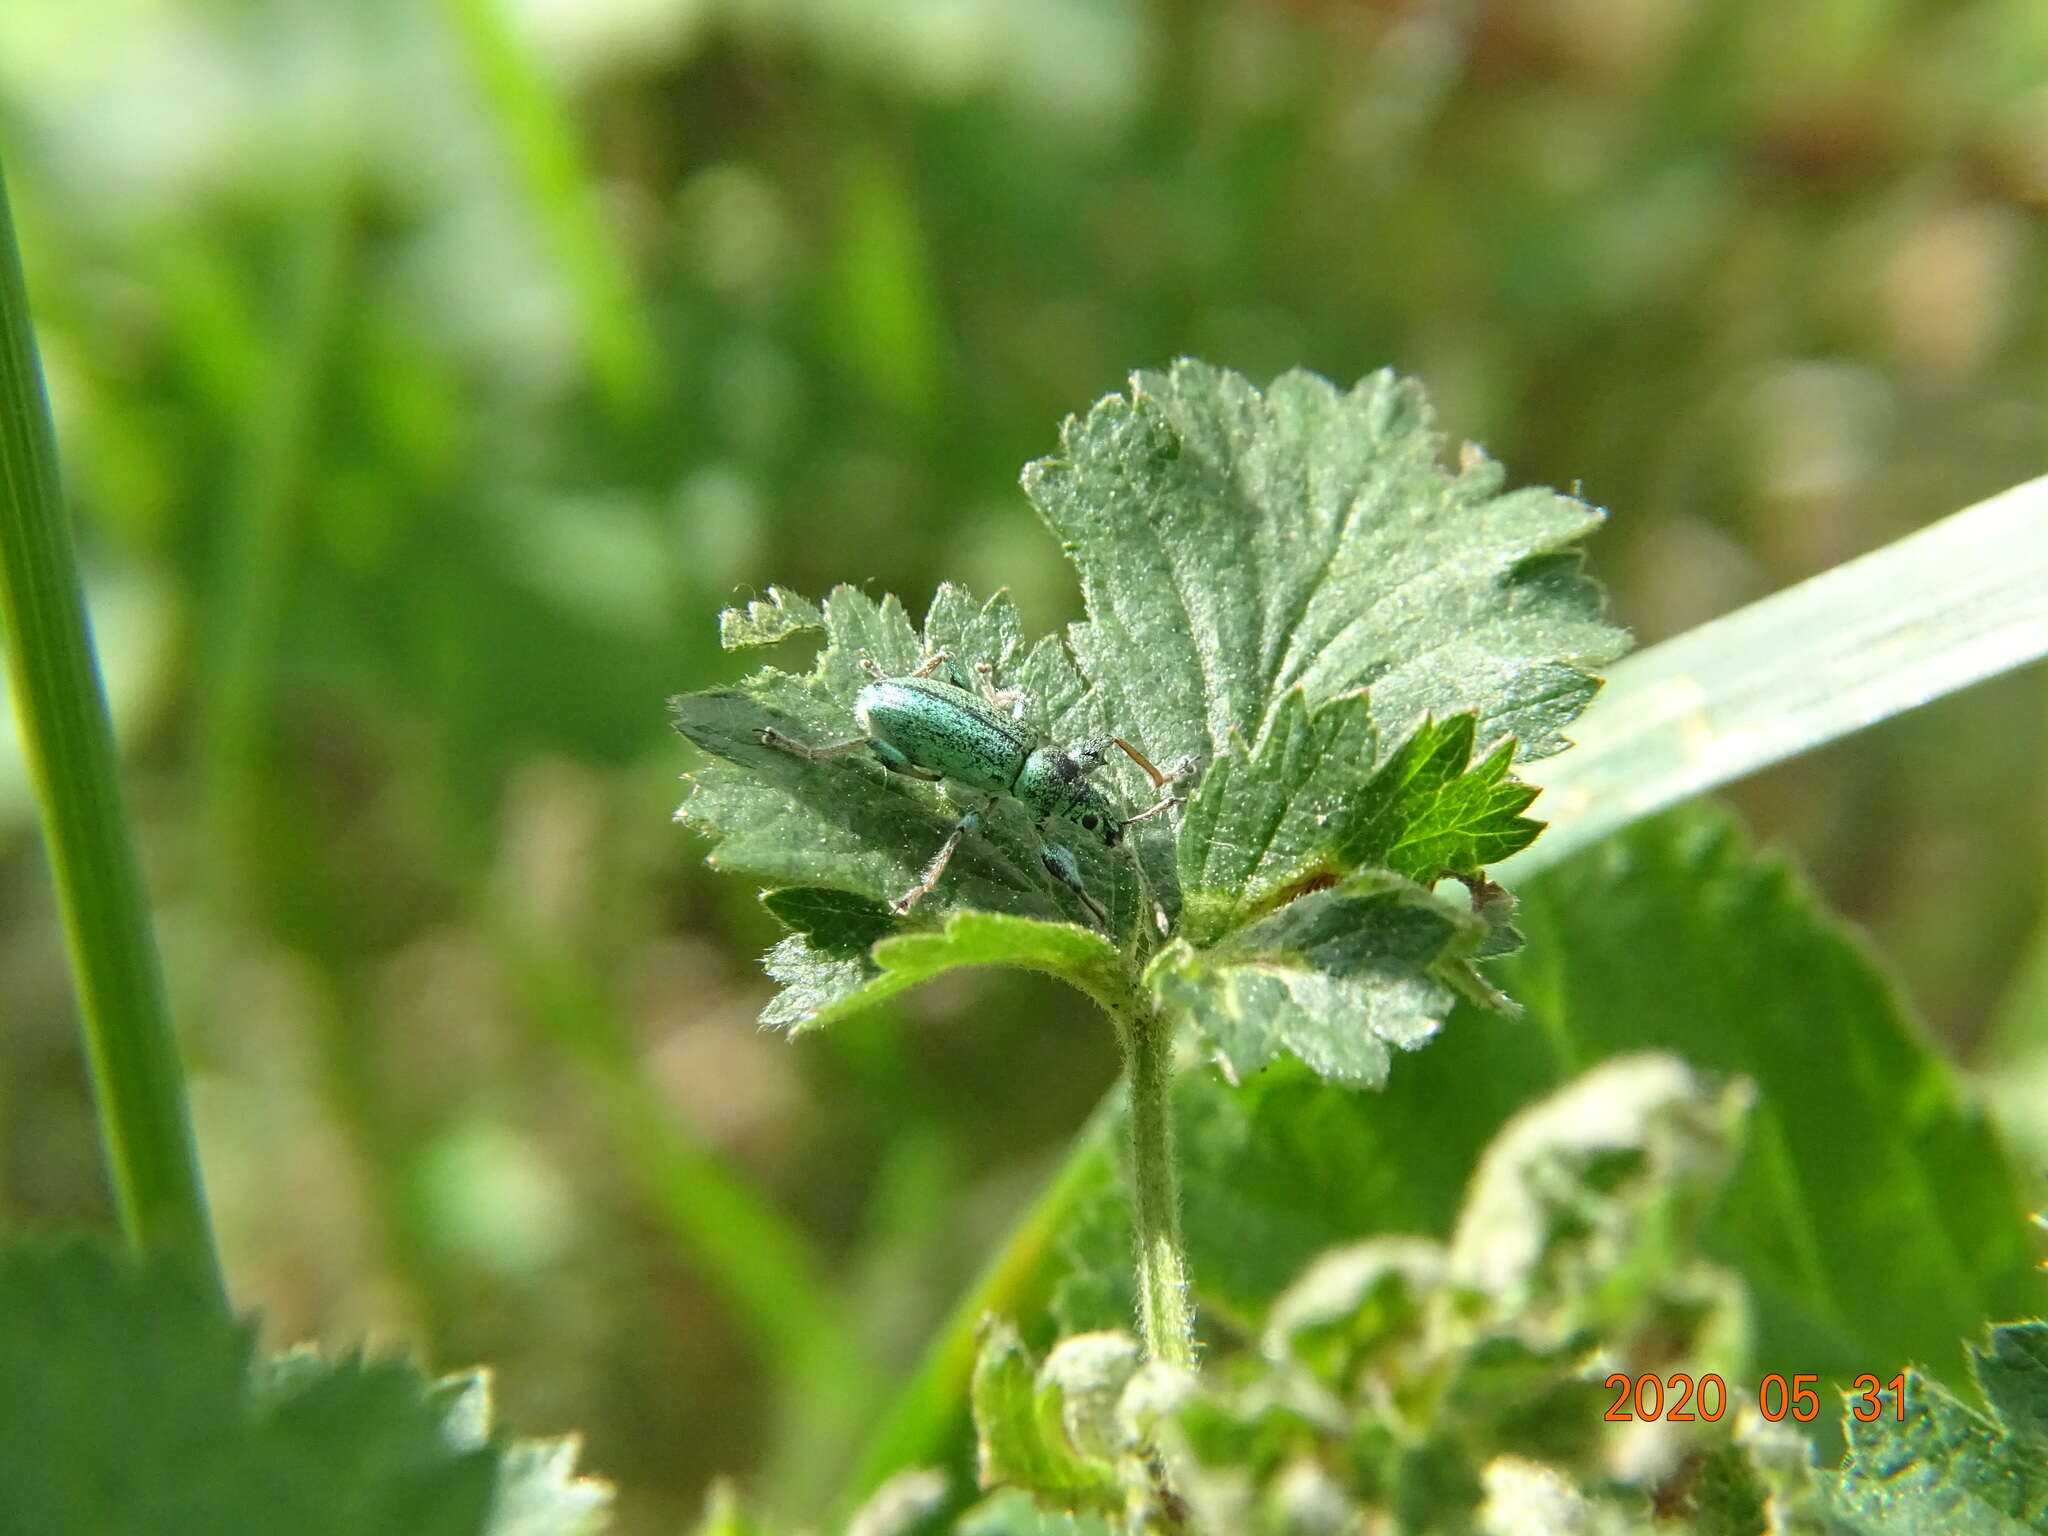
69	743
919	1427
1164	1317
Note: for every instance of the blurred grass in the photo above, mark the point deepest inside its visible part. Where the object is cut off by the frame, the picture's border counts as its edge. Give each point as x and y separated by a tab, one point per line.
68	740
540	140
438	372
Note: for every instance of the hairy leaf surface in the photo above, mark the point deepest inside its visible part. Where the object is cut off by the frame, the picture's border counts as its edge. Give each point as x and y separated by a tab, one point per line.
1947	1467
1234	545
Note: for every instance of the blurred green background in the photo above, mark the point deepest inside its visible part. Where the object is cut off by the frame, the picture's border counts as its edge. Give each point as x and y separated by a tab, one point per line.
428	375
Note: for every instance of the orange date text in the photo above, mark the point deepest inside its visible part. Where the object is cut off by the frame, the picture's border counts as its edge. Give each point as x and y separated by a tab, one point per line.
1680	1398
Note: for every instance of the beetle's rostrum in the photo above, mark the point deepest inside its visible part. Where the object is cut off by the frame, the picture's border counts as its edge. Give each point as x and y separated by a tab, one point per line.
935	728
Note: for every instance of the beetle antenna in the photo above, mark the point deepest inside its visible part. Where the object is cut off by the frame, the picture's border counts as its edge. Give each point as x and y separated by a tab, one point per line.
1159	780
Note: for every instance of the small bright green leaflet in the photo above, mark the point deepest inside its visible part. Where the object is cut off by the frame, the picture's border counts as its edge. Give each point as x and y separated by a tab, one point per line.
821	984
1287	587
1023	1442
1013	1512
1948	1467
1293	813
131	1404
2013	1373
1338	978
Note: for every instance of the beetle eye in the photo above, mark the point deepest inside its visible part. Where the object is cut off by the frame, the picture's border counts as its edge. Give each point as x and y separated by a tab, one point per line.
1112	834
1087	823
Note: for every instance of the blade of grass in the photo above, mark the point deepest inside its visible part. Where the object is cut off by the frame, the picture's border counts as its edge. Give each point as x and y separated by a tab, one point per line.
69	742
762	1266
920	1426
1954	604
251	583
541	141
1960	601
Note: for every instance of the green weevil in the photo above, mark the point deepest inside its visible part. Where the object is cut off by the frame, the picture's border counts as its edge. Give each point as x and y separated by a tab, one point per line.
935	728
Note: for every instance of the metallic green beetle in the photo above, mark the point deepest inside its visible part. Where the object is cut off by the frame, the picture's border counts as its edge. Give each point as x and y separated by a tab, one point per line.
929	727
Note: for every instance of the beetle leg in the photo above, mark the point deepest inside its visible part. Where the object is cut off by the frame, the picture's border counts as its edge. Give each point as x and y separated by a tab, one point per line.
896	762
937	868
771	737
1061	864
1012	699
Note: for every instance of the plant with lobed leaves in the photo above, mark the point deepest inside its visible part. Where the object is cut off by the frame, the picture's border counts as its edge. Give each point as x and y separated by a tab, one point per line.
1288	587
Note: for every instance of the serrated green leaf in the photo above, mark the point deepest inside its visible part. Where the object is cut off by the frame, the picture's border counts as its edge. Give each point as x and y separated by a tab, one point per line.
820	986
2013	1375
1021	1441
845	837
1013	1512
538	1490
1234	545
372	1430
1431	811
835	922
127	1404
1945	1468
825	965
1313	802
1339	978
817	985
781	615
1252	562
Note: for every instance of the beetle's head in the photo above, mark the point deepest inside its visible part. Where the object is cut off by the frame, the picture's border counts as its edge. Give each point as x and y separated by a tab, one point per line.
1057	787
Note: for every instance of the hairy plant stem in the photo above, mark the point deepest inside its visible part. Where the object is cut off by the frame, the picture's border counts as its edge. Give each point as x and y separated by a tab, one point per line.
1164	1317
